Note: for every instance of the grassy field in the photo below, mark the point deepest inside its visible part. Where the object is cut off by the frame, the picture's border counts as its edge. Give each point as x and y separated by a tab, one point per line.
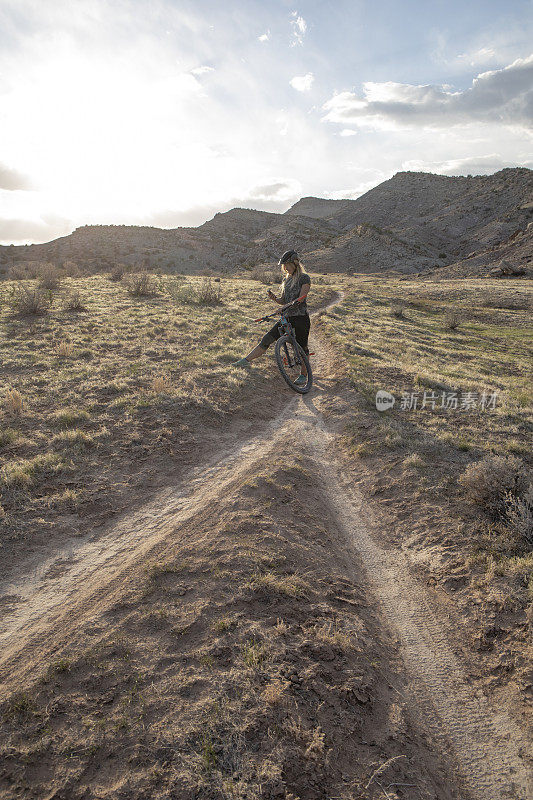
103	386
440	474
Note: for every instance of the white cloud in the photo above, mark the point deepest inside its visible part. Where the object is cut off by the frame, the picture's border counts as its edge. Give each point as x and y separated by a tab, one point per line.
473	165
491	44
503	96
483	55
276	196
348	132
202	70
41	229
264	37
280	190
302	83
299	28
13	180
353	192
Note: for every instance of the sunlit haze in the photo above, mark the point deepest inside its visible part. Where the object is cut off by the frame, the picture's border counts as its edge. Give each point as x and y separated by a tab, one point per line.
164	112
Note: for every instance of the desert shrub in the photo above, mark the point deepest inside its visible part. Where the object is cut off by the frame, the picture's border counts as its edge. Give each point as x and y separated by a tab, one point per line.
117	273
20	272
8	435
27	302
397	310
141	284
489	482
452	320
161	384
64	349
184	294
74	302
49	278
13	402
519	514
15	273
68	417
209	294
71	269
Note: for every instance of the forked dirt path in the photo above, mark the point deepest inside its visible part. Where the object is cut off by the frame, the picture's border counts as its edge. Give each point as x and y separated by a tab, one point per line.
42	610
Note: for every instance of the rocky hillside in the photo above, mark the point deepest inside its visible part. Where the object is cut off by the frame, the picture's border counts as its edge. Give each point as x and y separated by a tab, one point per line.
414	222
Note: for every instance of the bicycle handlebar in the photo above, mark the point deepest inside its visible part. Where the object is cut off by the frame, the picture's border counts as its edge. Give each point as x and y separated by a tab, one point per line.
280	311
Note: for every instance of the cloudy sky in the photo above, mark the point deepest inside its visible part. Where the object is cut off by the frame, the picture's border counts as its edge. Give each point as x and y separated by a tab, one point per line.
162	112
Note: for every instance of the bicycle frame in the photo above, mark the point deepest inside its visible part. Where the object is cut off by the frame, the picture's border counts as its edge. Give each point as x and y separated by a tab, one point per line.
285	328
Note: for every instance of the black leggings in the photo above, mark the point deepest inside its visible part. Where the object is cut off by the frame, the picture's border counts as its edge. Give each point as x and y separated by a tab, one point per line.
301	324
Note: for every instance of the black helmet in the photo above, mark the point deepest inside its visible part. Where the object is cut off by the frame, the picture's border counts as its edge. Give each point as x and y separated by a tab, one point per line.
288	255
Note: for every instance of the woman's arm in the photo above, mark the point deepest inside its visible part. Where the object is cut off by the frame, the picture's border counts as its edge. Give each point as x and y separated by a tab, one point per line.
303	291
273	297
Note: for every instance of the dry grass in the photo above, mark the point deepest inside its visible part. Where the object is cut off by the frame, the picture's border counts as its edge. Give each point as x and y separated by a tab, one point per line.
332	632
13	402
274	692
398	310
65	349
266	275
288	585
161	384
452	320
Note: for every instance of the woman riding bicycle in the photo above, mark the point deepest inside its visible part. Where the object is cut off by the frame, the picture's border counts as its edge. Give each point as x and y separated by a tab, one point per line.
296	284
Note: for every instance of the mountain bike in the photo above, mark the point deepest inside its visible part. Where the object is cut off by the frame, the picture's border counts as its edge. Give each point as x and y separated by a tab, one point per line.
289	354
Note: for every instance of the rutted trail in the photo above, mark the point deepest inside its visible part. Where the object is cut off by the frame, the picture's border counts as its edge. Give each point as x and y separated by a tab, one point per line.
77	583
35	600
79	569
487	744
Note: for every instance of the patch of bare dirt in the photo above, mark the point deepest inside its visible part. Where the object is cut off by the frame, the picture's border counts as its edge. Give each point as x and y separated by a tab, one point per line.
236	656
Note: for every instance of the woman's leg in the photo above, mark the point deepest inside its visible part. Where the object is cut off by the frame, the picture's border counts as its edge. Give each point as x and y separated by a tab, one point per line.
301	324
255	353
264	344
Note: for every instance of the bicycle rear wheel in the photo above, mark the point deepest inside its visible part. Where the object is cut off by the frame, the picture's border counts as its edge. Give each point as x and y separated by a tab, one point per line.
289	357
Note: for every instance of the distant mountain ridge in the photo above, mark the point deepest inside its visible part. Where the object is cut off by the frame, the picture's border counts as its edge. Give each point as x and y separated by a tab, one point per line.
413	222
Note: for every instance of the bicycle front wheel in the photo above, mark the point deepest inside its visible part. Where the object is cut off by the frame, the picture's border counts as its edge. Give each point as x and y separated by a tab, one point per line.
289	357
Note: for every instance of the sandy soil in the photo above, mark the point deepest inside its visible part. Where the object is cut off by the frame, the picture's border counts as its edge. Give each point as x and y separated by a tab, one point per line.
456	743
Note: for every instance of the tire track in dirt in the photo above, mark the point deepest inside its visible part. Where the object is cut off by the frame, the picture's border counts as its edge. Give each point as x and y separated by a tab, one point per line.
487	744
33	603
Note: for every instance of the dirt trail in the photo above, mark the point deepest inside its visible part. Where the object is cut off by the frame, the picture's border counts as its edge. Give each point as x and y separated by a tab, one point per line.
487	743
76	584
